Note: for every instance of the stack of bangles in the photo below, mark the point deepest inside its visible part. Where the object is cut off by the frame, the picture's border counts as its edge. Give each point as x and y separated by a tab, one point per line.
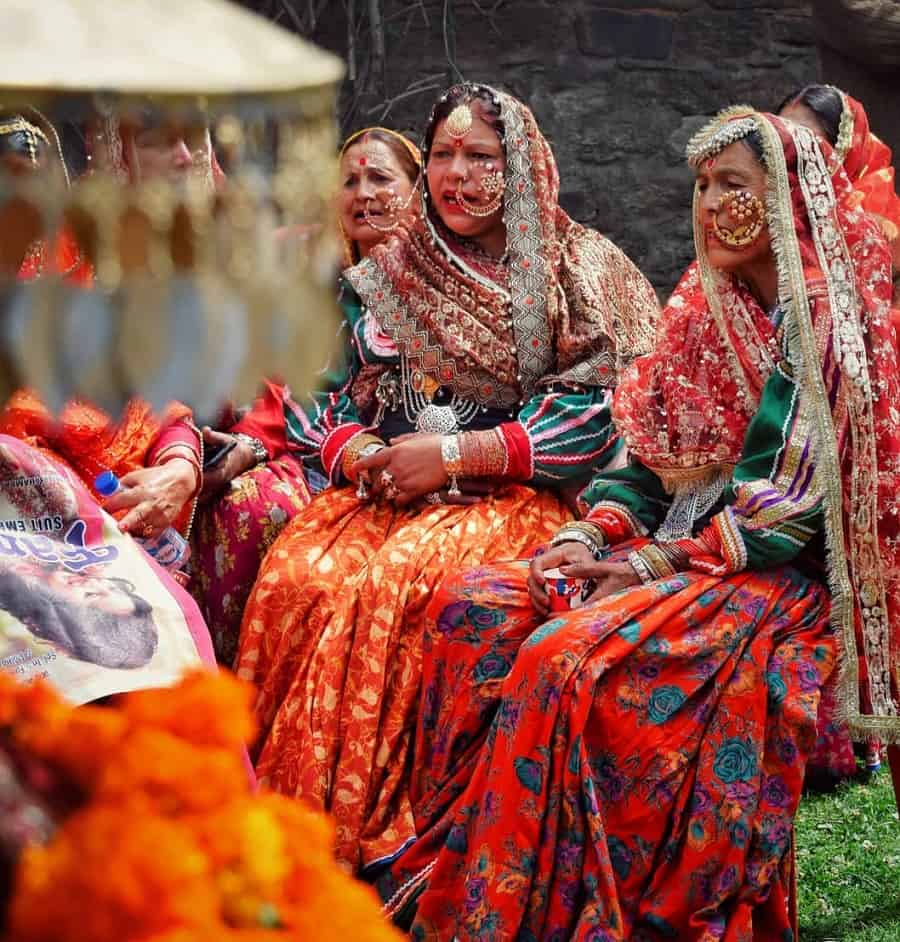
480	454
581	531
360	446
657	561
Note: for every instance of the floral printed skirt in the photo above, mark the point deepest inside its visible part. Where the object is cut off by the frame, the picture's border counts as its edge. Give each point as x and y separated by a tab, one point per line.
332	638
230	538
629	770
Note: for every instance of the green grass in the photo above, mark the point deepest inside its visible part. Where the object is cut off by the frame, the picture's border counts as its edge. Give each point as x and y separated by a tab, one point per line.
848	862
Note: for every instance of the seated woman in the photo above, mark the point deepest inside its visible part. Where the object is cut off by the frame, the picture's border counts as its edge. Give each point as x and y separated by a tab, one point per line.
157	459
482	344
630	769
842	121
262	482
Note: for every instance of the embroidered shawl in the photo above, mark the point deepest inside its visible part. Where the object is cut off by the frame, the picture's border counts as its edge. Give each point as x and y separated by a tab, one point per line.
571	307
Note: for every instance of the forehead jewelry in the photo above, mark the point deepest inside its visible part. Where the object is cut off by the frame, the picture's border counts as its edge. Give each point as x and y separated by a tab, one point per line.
31	133
747	213
459	122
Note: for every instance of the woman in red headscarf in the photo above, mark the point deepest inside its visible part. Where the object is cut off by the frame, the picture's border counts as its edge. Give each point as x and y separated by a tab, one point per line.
631	768
866	159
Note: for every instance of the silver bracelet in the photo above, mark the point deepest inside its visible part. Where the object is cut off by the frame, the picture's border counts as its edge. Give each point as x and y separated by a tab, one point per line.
452	459
639	565
575	536
451	455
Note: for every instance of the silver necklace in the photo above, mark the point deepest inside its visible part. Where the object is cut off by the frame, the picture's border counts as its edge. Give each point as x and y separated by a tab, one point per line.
418	392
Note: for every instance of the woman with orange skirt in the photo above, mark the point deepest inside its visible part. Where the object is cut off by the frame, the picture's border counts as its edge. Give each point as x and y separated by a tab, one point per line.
482	344
270	475
630	768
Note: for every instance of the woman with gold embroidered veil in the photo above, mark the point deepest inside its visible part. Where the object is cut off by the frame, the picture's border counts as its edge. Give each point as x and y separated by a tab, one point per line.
630	769
271	472
483	341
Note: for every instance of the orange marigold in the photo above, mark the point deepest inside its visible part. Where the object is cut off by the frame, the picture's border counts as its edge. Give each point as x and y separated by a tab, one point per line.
205	709
170	844
104	874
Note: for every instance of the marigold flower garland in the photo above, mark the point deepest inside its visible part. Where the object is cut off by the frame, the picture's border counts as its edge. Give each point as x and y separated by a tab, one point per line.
164	840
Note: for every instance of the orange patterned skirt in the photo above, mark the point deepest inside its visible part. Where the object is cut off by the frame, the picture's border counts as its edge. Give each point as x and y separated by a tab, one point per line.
332	638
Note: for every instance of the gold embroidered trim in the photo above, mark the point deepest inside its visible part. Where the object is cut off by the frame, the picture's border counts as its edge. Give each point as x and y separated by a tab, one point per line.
806	353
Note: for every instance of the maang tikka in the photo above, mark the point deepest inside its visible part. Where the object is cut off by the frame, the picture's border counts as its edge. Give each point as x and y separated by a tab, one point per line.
459	121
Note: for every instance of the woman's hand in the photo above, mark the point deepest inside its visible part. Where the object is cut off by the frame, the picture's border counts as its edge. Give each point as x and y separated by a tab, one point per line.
234	464
557	557
411	465
609	576
153	497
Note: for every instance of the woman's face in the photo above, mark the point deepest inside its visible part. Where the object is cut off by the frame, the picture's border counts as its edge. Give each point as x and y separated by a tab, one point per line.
803	115
170	152
460	165
371	177
733	170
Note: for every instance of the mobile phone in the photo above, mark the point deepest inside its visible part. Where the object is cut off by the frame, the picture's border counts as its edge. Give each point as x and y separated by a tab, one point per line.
212	458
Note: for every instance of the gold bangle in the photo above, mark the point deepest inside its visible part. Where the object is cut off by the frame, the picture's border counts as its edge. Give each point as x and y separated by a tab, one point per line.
354	448
590	529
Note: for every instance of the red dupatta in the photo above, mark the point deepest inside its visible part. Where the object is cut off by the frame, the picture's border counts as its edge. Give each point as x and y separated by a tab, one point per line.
834	285
868	164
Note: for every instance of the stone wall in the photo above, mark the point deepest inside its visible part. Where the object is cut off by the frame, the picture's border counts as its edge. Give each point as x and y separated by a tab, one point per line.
616	85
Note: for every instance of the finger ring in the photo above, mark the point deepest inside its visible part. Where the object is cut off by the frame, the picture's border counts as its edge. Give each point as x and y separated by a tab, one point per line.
391	491
434	498
146	530
387	479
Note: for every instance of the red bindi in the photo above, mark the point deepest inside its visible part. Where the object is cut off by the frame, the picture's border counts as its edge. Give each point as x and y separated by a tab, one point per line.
458	143
362	161
710	163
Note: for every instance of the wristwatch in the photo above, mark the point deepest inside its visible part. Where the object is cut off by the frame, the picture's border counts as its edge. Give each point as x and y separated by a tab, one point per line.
260	455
